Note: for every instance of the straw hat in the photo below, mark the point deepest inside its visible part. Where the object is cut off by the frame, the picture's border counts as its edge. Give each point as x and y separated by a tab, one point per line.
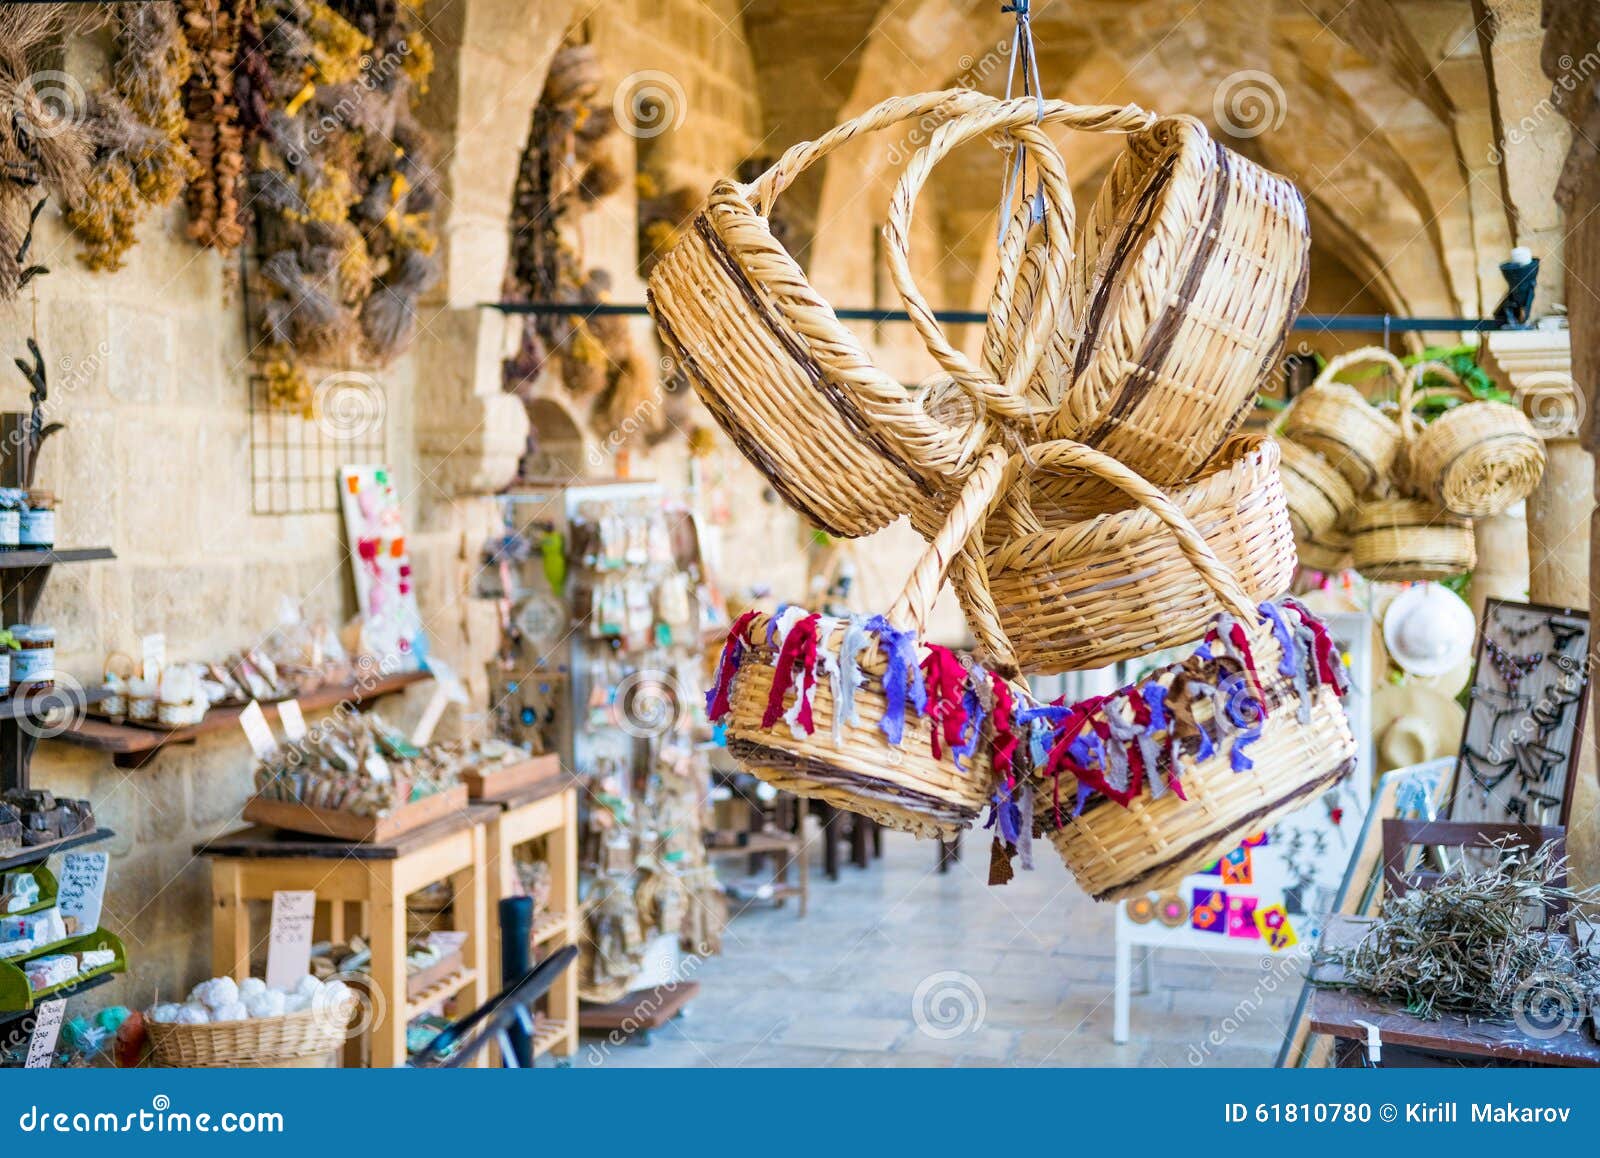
1412	723
1428	630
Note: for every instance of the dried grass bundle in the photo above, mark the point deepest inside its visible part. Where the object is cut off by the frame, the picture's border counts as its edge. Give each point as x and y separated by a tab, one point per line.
1463	946
389	316
215	134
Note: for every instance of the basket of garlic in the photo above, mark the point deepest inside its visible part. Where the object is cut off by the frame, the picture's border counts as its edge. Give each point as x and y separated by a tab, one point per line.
228	1023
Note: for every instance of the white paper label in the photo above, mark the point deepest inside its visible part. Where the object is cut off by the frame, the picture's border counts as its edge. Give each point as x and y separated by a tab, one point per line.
256	730
289	951
46	1028
154	650
293	721
83	888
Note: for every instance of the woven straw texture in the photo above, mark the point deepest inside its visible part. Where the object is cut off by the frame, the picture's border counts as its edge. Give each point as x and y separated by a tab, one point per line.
1329	555
1193	267
1320	498
1398	540
839	438
258	1041
903	786
1336	420
1116	852
1476	459
1067	589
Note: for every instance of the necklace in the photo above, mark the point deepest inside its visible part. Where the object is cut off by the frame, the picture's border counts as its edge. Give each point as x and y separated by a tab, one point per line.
1516	634
1512	668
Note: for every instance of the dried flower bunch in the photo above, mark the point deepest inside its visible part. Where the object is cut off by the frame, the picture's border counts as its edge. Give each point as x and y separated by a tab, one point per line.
357	764
341	179
44	146
564	171
215	135
1464	946
137	125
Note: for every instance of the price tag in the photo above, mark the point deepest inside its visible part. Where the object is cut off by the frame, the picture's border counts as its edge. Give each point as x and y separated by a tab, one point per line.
294	723
289	950
82	888
256	730
46	1028
154	650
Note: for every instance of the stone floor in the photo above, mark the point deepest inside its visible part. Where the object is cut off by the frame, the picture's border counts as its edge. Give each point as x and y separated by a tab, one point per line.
898	965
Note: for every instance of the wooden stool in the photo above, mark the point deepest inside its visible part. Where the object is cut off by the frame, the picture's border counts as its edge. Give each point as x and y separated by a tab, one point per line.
253	863
548	810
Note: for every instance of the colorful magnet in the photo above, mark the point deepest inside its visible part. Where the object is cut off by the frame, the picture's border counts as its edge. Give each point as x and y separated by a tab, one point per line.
1273	923
1171	911
1141	910
1211	870
1209	912
1236	867
1255	841
1242	918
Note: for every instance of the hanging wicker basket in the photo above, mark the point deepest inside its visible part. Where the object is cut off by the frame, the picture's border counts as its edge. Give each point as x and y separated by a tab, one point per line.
1336	420
781	680
264	1041
839	438
1193	267
1330	554
1399	540
1320	498
1065	588
1475	460
1161	778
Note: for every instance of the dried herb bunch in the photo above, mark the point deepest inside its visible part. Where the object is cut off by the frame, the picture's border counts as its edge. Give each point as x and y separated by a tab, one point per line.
137	125
44	143
215	136
1463	946
564	171
342	182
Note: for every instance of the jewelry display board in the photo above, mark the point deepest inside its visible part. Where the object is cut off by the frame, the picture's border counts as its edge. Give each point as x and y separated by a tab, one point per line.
1525	716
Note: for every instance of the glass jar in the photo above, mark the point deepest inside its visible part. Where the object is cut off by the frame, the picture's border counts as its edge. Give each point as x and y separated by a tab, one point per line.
36	530
10	518
33	665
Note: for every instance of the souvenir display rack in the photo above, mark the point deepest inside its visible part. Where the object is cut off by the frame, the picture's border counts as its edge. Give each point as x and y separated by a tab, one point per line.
593	624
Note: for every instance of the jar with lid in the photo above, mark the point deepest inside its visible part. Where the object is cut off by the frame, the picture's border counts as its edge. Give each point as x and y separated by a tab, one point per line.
10	517
34	663
37	525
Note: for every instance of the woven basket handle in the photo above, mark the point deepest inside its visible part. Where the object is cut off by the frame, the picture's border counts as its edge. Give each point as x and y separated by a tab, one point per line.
1064	456
1001	398
1359	357
764	190
978	495
1413	392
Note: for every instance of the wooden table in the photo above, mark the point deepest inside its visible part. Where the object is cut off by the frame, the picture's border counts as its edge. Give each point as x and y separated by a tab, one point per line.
1408	1040
253	863
549	810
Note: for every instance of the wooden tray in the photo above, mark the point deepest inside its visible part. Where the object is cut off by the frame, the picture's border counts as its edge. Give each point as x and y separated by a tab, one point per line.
506	778
347	826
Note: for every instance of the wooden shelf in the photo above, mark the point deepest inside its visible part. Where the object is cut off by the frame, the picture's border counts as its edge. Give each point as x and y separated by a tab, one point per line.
93	981
550	1033
548	926
34	704
442	991
40	851
27	560
132	746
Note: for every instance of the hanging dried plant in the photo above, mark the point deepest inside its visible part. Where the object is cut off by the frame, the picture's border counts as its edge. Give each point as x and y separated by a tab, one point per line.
215	136
44	144
141	160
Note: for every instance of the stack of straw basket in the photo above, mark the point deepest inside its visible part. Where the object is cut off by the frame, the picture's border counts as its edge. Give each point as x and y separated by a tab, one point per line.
1391	495
1084	489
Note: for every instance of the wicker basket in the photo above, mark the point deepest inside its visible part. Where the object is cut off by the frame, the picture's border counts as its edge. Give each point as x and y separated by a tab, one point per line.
911	781
263	1041
1329	555
1476	459
1398	540
839	438
1336	420
1123	843
1062	588
1193	266
1320	498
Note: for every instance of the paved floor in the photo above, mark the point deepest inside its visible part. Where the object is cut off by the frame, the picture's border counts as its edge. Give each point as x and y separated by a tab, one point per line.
897	965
